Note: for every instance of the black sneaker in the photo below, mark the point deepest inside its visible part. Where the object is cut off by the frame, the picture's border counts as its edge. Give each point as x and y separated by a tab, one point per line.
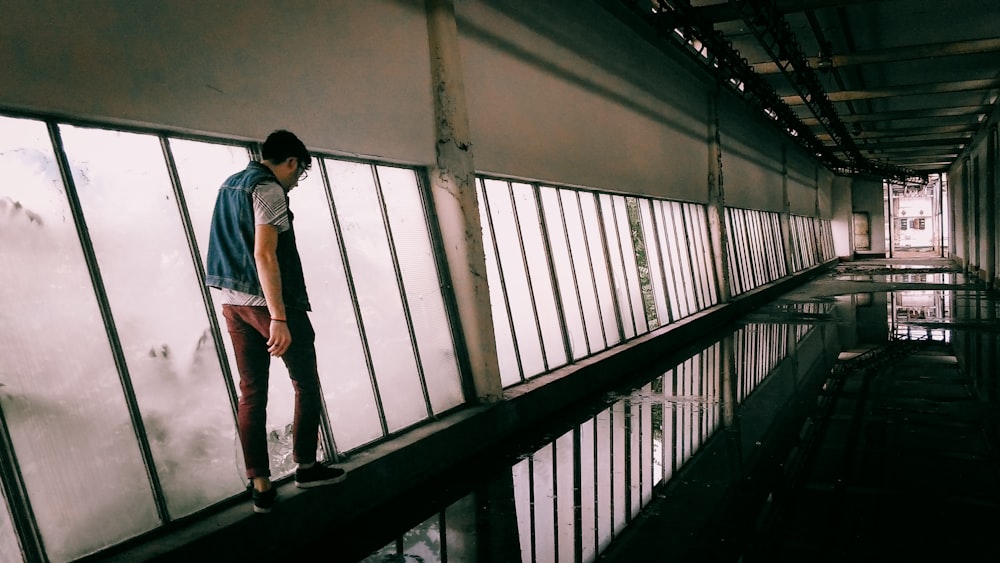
264	501
318	475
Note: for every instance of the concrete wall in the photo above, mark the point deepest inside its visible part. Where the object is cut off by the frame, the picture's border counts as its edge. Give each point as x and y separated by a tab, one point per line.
841	211
973	183
558	91
867	197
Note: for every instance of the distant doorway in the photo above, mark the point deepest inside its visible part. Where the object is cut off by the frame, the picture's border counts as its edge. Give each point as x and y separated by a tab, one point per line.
862	232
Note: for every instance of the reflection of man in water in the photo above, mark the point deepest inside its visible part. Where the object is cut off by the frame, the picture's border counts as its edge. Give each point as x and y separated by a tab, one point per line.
253	259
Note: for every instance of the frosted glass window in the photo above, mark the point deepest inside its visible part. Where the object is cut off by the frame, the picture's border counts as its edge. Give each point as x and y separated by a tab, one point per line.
515	277
540	275
340	354
156	300
424	301
735	285
654	262
669	281
510	366
562	262
599	262
371	265
9	548
61	395
629	233
698	252
616	247
690	288
585	268
674	238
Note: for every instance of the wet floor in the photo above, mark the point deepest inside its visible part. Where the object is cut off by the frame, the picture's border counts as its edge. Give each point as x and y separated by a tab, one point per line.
854	419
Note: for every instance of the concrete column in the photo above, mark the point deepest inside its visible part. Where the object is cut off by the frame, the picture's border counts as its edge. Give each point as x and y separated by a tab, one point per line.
784	218
991	207
717	201
452	183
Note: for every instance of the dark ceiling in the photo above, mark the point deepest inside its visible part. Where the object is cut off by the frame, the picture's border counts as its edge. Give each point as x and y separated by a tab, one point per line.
892	87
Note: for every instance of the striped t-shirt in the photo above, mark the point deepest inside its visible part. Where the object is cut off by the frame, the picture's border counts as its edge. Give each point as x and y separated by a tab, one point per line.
269	208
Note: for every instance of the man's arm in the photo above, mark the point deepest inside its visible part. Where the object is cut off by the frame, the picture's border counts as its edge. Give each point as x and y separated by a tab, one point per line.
265	253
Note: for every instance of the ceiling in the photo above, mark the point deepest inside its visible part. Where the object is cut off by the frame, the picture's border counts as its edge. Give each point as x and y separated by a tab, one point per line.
892	87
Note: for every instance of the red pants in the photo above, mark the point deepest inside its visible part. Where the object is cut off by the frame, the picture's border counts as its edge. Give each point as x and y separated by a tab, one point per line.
249	328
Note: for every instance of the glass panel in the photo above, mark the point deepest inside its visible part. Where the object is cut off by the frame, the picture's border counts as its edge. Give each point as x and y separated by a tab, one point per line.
510	367
584	273
684	246
698	252
9	547
653	261
156	300
630	235
423	287
540	275
598	261
675	238
508	241
616	248
370	261
65	411
563	263
669	276
340	354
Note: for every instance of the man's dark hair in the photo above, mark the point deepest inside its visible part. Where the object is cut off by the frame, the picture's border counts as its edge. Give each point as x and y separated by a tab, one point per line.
282	144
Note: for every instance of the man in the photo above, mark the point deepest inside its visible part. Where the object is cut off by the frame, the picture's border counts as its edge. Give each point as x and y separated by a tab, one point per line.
253	259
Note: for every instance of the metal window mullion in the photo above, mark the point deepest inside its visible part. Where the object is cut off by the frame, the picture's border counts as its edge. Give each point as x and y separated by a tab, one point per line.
199	269
590	260
553	275
577	496
695	260
533	521
349	279
111	331
29	536
656	208
621	261
503	282
527	275
402	292
576	281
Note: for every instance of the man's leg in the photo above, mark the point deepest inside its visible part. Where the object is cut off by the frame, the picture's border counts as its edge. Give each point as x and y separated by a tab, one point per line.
301	362
253	363
300	359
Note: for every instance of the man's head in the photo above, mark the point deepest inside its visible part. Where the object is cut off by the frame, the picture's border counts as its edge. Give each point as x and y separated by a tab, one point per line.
287	157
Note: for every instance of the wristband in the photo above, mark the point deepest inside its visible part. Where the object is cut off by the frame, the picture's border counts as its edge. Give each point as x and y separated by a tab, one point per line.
274	320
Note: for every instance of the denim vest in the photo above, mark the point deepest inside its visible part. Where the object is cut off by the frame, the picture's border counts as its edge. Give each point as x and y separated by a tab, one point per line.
230	261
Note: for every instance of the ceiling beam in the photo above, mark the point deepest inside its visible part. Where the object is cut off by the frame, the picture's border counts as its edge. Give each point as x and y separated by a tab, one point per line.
904	90
958	142
910	132
724	12
891	55
955	111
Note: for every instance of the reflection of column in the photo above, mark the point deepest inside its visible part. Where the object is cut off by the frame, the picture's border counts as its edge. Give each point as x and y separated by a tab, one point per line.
452	180
728	392
496	521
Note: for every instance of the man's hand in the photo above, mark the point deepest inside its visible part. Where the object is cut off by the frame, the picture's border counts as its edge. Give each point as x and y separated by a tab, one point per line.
279	340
